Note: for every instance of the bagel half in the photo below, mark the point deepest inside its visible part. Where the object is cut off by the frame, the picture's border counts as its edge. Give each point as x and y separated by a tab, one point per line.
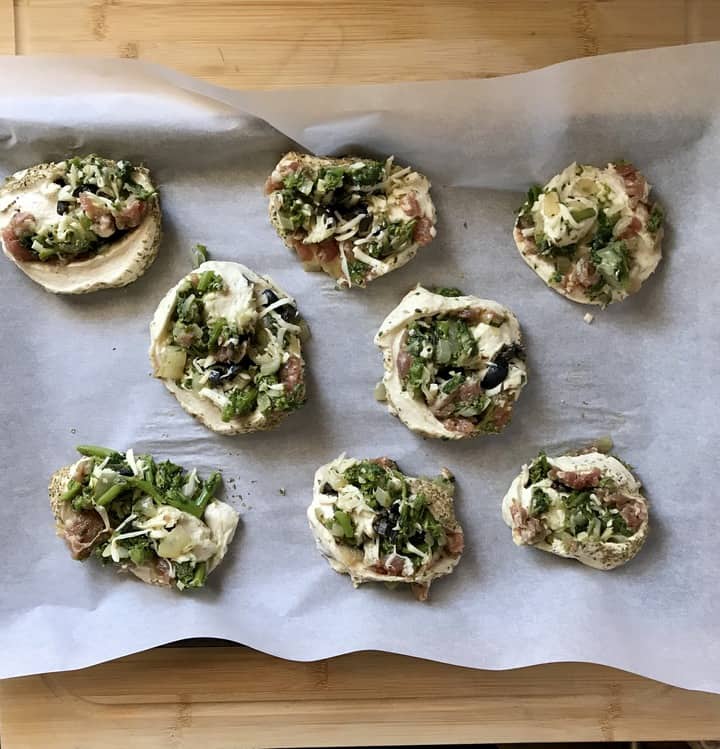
165	535
96	223
375	524
454	365
592	234
587	507
259	350
356	219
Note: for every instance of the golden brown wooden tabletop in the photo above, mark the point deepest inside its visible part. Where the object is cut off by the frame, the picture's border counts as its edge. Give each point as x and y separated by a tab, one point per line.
234	697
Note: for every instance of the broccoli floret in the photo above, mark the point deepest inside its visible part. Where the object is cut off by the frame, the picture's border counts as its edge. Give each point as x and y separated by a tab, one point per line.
539	469
242	401
657	216
540	501
369	174
612	262
190	575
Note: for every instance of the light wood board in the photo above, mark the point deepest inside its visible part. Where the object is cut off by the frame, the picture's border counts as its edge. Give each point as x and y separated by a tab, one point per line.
7	28
268	43
233	697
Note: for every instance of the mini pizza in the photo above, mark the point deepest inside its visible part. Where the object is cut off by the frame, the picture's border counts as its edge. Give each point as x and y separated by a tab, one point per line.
227	344
356	219
376	524
82	224
593	235
587	506
152	519
454	364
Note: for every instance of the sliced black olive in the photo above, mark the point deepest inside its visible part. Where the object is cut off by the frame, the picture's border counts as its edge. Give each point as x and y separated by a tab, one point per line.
511	351
125	471
327	489
215	375
63	206
221	371
60	181
289	313
233	371
85	188
365	225
497	370
496	373
381	525
385	521
418	539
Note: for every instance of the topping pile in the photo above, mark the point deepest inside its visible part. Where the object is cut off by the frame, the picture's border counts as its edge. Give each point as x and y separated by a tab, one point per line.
234	340
573	502
596	230
357	219
156	520
463	361
87	204
397	526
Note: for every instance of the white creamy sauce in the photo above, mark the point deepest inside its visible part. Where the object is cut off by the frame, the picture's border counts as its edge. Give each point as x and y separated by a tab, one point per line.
490	339
236	302
222	521
412	183
40	199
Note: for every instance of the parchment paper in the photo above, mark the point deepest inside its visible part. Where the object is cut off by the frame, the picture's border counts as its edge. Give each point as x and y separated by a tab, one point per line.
75	370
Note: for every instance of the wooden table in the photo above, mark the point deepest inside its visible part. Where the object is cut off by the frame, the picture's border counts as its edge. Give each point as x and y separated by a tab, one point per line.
234	697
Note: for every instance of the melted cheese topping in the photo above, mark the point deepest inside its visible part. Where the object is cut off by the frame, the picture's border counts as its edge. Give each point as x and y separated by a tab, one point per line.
40	199
235	303
581	188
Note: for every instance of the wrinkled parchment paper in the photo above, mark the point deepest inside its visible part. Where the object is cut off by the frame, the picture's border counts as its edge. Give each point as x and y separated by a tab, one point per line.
75	370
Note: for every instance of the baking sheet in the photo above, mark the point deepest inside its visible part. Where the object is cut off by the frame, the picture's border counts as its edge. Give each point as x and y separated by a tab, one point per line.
75	370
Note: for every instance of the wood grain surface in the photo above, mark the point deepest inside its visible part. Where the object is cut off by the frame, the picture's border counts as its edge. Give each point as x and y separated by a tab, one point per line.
7	28
268	43
233	697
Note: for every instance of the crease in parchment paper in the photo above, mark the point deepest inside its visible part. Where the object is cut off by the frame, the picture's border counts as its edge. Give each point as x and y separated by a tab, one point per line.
646	372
